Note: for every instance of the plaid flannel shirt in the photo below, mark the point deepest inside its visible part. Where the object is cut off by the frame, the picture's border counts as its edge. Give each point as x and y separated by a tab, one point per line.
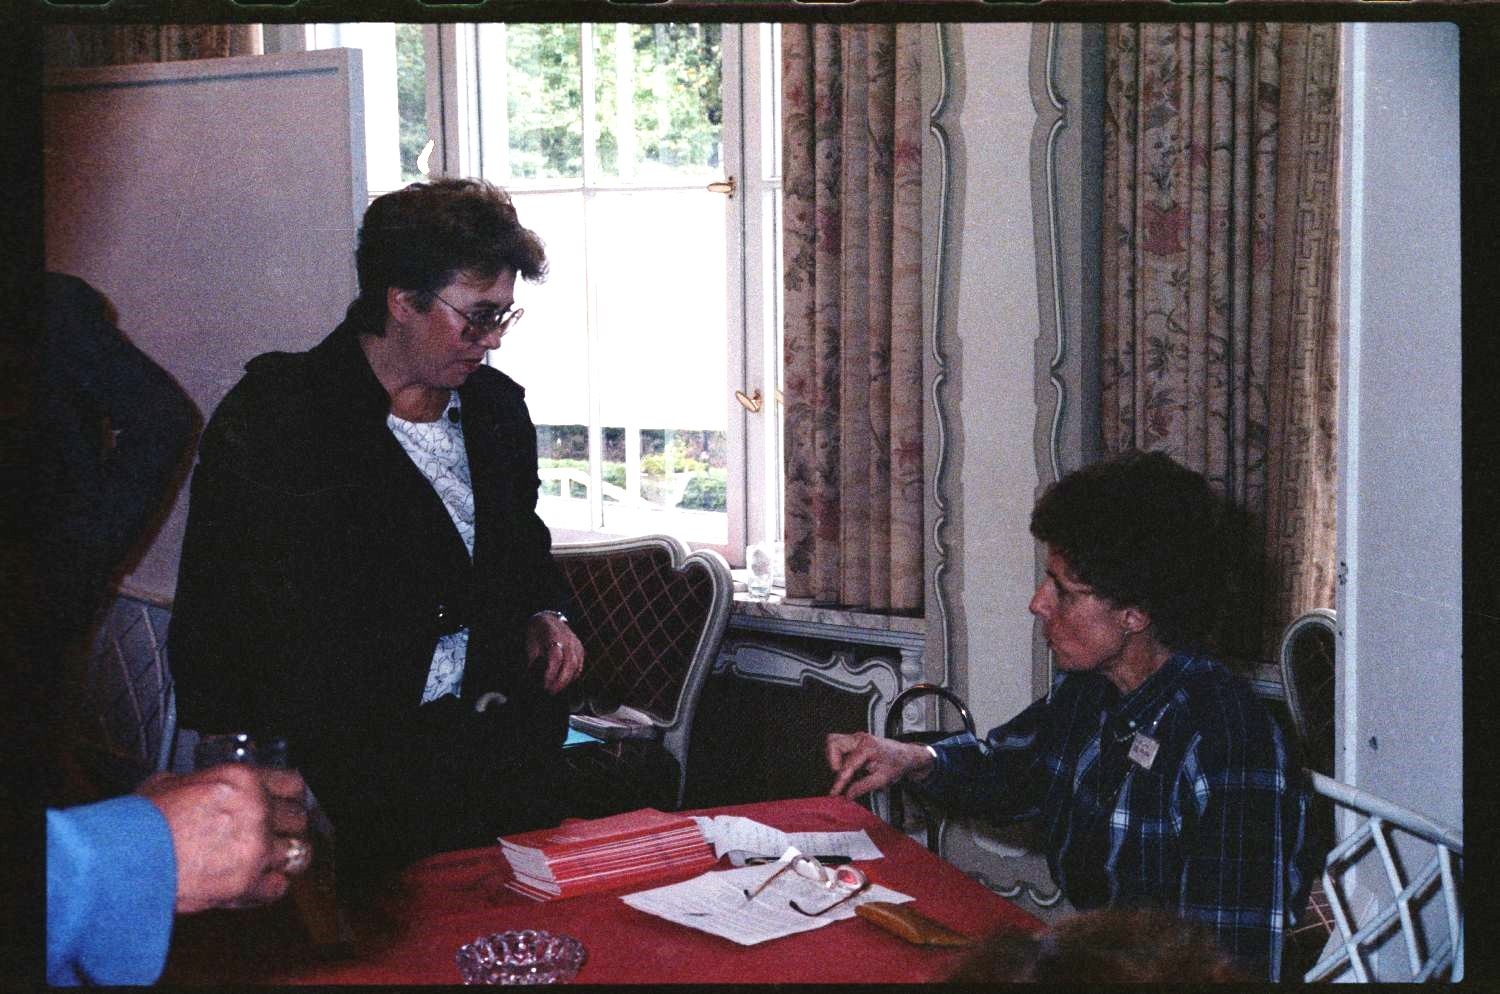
1213	829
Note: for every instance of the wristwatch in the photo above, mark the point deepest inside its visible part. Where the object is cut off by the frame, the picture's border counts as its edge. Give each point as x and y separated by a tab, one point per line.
556	614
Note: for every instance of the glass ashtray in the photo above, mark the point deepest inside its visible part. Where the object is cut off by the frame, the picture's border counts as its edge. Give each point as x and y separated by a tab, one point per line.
525	957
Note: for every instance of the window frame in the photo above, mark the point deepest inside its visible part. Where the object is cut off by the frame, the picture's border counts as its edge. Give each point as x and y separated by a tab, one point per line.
455	104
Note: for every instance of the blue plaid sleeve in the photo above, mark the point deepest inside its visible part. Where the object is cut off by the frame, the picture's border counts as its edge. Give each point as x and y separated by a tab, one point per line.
1002	776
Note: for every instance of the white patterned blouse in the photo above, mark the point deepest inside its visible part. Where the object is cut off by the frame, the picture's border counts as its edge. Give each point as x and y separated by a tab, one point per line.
437	449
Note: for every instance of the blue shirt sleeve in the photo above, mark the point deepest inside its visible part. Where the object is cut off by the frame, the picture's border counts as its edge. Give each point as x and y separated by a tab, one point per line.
111	890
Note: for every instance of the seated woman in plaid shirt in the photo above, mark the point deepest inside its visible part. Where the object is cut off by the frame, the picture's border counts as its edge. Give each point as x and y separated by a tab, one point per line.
1159	778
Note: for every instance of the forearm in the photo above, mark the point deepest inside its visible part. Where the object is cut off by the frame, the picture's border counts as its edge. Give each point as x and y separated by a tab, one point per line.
997	776
965	778
546	589
111	887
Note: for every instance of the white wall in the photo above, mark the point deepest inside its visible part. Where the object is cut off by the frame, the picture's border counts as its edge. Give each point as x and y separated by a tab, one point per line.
1400	512
990	351
1400	706
214	203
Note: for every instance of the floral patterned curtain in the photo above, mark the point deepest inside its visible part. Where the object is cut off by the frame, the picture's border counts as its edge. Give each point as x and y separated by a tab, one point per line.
81	46
1219	336
852	227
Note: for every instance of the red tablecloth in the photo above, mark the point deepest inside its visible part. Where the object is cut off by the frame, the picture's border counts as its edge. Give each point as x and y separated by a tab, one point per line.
449	899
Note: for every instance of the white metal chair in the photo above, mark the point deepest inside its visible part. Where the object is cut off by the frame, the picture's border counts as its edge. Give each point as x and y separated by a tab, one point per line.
1307	654
1373	894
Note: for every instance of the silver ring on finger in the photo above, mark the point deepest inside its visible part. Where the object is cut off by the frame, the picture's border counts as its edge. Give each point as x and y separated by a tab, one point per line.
297	856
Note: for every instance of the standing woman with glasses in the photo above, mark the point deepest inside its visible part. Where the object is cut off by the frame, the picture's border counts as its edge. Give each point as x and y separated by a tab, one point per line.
364	572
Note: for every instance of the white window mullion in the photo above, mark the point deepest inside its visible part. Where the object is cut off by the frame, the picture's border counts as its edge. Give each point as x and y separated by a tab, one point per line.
744	428
453	98
759	177
587	78
633	458
768	69
439	69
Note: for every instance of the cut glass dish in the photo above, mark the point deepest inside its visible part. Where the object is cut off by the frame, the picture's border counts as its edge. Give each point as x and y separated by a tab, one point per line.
524	957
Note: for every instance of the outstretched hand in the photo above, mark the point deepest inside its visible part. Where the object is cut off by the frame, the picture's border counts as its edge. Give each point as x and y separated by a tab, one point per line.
880	761
231	827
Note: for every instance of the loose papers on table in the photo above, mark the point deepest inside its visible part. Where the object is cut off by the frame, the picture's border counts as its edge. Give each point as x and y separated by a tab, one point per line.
715	903
744	838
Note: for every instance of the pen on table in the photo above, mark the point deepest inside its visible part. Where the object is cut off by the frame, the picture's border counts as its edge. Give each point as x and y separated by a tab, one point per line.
825	860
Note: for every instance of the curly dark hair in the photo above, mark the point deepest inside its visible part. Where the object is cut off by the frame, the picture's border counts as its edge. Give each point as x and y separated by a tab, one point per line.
422	236
1105	946
1144	532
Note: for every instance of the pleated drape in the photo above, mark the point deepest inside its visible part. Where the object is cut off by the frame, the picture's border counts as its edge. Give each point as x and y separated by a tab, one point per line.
852	258
1218	330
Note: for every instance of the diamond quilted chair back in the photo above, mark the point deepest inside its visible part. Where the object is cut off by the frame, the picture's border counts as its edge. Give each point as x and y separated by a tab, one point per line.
651	615
130	684
640	620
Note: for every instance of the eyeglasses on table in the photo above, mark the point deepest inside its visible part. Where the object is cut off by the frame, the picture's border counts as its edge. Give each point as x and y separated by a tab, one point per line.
845	880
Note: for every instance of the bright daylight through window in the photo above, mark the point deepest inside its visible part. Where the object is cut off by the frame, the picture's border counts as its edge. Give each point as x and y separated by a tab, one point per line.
645	155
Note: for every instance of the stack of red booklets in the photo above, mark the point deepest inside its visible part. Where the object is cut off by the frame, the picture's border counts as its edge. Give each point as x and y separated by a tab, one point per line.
579	857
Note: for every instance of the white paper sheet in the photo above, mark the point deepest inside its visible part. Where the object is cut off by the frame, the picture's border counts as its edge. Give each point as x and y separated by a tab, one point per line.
715	903
743	838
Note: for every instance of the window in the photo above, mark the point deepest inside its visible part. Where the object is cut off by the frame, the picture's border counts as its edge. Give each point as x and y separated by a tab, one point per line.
647	157
393	56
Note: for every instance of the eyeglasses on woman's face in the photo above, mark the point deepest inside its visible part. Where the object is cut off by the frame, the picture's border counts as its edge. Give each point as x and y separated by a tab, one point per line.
482	322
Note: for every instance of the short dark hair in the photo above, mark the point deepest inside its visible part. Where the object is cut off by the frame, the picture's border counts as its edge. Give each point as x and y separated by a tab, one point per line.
1144	532
422	236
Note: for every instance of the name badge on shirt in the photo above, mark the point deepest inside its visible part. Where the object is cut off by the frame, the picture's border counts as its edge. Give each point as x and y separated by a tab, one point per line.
1143	750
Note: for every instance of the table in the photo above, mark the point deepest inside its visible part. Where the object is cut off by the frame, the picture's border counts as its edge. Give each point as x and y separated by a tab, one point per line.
449	899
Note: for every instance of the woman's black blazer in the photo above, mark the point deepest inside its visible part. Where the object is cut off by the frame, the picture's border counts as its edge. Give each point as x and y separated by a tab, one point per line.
318	569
